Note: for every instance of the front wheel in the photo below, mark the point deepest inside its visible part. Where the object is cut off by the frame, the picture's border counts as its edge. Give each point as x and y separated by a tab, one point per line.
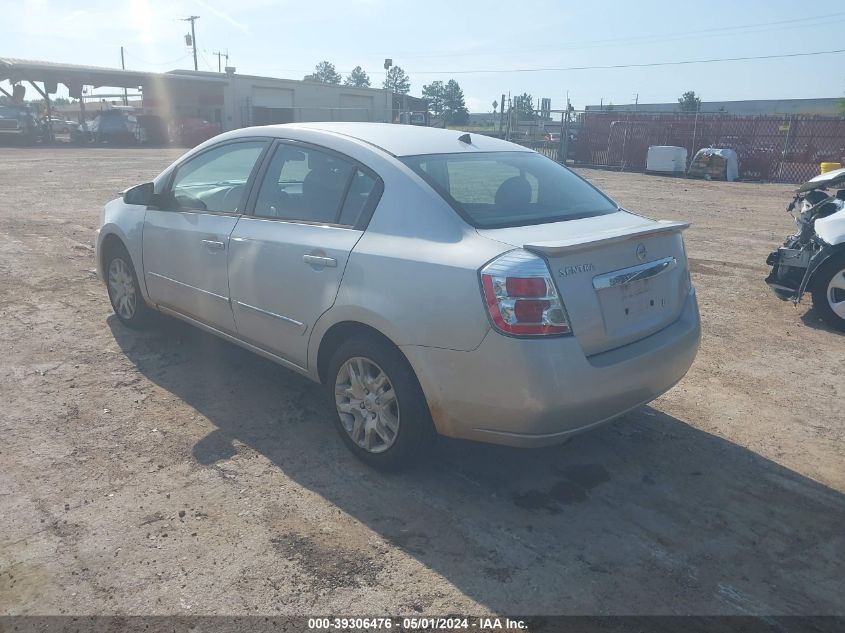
829	291
382	414
124	291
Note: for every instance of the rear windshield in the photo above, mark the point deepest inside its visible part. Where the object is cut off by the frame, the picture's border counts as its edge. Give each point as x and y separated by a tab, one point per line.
501	189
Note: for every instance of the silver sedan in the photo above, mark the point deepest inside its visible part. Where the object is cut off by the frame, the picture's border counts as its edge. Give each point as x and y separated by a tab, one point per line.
433	281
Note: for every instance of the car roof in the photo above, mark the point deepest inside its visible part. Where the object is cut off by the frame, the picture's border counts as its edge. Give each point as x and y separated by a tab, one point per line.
400	140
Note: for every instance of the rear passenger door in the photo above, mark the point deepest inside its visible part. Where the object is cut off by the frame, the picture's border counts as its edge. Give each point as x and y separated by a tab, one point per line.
288	253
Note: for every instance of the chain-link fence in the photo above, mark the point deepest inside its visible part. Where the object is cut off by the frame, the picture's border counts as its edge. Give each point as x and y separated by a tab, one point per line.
769	148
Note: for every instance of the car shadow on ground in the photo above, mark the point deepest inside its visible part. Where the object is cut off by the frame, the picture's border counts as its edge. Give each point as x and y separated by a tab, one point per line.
811	319
645	515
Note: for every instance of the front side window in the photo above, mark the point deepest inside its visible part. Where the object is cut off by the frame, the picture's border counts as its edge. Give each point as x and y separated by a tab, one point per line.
500	189
216	179
308	185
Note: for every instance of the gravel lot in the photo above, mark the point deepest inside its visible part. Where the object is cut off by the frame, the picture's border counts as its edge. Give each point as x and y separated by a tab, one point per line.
168	472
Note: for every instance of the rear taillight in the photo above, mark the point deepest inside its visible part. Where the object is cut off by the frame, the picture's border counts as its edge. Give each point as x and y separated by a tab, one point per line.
521	297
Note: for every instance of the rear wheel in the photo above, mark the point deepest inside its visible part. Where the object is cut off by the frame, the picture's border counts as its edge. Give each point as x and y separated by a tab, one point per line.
124	291
381	412
829	291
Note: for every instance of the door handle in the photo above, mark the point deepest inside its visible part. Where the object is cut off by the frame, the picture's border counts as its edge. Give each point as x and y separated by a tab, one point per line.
214	245
318	260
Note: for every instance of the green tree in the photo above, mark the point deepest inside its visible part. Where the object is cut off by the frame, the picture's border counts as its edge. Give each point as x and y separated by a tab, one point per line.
357	78
397	81
325	73
524	106
688	102
434	93
454	106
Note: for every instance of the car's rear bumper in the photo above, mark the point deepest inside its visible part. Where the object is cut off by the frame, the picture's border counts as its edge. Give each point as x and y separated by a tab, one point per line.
529	392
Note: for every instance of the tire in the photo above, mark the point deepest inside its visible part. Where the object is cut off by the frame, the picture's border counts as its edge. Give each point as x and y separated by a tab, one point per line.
829	291
124	291
365	411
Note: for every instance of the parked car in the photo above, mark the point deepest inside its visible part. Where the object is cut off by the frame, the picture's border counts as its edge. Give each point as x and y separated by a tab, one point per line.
152	130
19	125
114	127
191	131
433	281
61	126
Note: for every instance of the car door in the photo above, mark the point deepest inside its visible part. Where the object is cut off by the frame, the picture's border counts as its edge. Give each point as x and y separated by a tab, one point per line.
186	235
288	253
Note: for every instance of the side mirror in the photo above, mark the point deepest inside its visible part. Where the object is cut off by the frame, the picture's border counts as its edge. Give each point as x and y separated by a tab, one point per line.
139	194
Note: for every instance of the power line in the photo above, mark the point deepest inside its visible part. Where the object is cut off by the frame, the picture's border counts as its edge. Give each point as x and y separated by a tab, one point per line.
568	68
617	66
615	43
647	39
206	62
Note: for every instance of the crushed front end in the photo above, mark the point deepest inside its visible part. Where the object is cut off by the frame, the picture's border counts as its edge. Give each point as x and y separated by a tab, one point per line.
792	267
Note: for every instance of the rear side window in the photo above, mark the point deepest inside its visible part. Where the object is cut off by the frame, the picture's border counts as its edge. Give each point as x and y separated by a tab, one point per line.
308	185
501	189
361	190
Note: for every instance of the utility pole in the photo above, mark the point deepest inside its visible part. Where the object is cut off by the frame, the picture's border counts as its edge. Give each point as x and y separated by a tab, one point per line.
510	118
123	67
388	62
193	19
219	55
636	101
564	133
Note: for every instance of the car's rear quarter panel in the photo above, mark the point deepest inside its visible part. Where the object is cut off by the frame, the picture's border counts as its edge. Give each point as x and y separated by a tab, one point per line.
413	275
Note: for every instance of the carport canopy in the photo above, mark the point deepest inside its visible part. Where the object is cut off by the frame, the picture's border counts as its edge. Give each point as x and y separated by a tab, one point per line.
75	76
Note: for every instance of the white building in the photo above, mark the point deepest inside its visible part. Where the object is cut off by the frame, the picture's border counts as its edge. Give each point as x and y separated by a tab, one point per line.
236	100
231	99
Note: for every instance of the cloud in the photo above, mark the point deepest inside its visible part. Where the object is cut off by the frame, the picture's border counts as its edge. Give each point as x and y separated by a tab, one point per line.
224	16
474	104
141	17
50	24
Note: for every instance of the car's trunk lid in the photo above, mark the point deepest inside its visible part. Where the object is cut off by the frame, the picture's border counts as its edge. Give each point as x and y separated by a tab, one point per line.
622	277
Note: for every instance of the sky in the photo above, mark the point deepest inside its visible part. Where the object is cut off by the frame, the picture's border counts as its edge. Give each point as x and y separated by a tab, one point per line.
439	39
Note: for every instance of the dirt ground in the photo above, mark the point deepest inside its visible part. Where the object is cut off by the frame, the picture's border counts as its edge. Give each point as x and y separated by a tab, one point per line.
168	472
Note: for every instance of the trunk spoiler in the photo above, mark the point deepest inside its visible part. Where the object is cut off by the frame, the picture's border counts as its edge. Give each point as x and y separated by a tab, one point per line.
590	240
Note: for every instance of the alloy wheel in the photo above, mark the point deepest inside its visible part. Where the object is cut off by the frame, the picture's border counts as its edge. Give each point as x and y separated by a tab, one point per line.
367	404
836	294
122	288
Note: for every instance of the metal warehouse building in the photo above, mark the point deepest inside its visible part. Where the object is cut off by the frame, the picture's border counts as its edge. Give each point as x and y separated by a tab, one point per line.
231	99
